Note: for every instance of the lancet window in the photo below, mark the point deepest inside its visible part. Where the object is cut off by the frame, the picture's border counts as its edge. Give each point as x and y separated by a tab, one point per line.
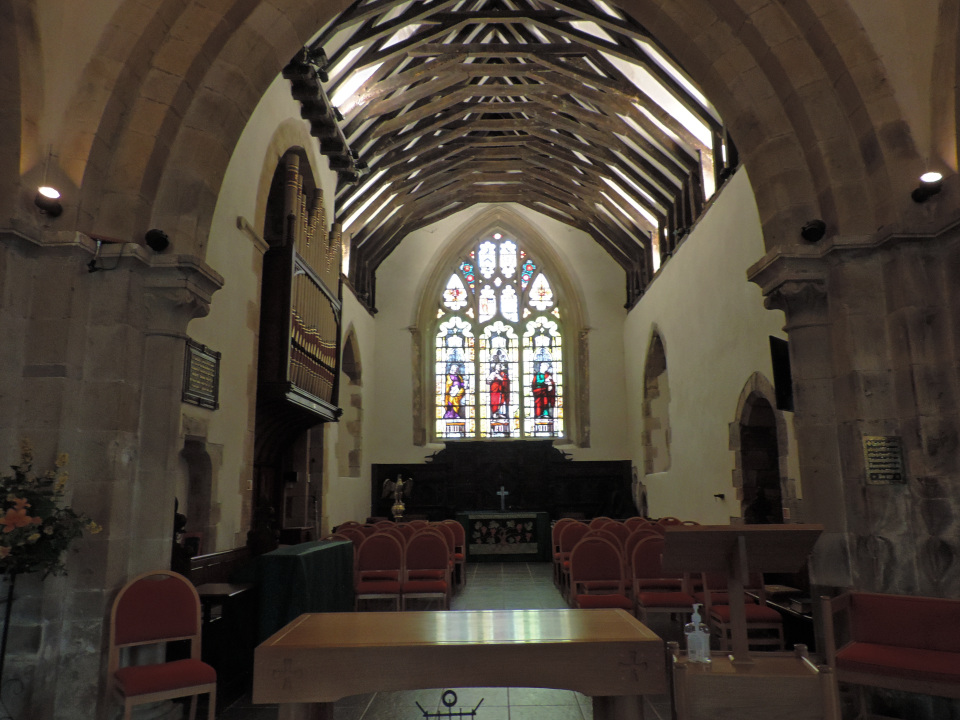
498	347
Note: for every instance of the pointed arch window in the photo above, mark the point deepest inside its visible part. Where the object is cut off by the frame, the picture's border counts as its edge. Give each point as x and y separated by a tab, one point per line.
498	347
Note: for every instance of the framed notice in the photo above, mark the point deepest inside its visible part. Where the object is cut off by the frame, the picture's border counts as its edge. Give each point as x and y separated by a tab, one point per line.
883	456
201	376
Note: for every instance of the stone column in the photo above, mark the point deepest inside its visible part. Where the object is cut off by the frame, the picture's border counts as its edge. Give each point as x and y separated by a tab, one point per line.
100	370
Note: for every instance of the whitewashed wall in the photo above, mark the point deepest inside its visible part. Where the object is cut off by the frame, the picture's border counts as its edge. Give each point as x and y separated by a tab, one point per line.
401	279
715	332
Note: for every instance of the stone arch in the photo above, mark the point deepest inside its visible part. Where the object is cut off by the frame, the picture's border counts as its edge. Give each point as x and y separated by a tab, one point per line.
198	503
945	100
656	408
350	452
500	218
798	90
757	408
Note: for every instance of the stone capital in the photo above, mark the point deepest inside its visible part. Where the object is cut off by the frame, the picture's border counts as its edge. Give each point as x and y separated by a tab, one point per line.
177	289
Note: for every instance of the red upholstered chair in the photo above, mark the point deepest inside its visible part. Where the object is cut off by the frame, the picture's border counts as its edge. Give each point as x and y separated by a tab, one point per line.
459	551
636	522
555	531
599	522
597	575
621	531
407	530
764	624
427	568
379	568
653	589
669	521
155	608
569	536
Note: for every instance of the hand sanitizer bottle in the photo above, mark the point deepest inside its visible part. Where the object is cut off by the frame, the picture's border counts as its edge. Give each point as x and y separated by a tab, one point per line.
698	638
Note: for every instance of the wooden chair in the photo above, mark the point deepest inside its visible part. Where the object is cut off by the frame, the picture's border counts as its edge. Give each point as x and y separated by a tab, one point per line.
597	575
153	608
652	587
555	531
764	624
569	536
459	551
426	569
379	568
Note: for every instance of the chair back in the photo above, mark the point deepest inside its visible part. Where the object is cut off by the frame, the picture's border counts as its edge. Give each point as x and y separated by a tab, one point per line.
418	524
636	522
621	531
368	529
459	534
427	550
407	530
669	521
557	528
571	535
381	524
379	552
447	533
598	522
595	558
633	538
605	534
646	561
155	607
354	534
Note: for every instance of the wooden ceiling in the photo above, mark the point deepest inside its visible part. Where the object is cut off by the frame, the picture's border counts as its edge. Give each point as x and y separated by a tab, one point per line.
568	108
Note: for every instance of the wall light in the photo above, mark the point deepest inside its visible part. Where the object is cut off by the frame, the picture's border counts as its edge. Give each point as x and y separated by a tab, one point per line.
48	200
930	185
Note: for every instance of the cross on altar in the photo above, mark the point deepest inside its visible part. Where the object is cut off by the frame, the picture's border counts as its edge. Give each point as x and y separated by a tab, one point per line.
503	497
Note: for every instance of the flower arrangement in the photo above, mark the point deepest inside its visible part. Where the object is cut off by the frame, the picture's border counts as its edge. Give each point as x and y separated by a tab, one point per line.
34	529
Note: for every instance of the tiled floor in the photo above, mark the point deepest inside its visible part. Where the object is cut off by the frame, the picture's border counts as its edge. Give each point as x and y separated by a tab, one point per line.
490	586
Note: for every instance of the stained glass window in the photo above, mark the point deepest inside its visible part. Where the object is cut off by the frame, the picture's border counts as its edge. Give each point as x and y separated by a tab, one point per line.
498	347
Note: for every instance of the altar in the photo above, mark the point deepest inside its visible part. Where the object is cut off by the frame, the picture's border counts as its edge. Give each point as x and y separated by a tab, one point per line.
505	536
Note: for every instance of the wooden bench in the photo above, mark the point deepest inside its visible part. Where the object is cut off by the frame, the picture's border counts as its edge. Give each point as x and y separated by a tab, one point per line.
219	567
896	642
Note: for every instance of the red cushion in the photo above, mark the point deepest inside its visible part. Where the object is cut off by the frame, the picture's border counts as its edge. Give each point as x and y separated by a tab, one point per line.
143	679
378	587
611	600
665	599
754	613
904	662
424	586
426	574
367	575
661	583
932	623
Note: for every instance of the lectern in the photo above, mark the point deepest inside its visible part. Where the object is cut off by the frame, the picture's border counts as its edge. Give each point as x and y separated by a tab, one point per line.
770	685
737	550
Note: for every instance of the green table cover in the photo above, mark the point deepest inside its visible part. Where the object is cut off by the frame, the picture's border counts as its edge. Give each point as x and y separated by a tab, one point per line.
305	578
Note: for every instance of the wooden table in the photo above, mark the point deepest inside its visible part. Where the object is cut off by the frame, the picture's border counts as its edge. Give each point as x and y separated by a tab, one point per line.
319	658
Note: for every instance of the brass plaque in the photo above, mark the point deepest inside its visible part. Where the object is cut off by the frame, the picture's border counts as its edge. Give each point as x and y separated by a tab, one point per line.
883	455
201	376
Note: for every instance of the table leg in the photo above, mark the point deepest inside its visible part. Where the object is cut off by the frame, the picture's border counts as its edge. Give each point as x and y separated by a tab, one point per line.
618	707
306	711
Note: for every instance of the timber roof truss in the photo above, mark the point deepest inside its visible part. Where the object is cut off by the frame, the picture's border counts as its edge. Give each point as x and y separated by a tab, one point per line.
568	108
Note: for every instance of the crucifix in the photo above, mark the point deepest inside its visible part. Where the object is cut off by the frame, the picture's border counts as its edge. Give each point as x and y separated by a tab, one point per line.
503	498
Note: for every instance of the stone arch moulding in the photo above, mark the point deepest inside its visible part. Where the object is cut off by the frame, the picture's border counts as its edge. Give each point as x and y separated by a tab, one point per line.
772	117
758	386
656	406
350	454
507	221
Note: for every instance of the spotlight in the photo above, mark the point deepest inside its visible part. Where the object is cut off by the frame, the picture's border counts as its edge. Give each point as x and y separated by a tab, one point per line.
48	200
930	184
157	240
813	231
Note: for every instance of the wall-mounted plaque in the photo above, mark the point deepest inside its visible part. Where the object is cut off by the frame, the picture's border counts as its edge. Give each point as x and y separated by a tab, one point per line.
883	455
201	376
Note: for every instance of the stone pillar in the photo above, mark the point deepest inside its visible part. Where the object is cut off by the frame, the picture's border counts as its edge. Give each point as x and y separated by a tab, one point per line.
874	328
804	301
99	376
